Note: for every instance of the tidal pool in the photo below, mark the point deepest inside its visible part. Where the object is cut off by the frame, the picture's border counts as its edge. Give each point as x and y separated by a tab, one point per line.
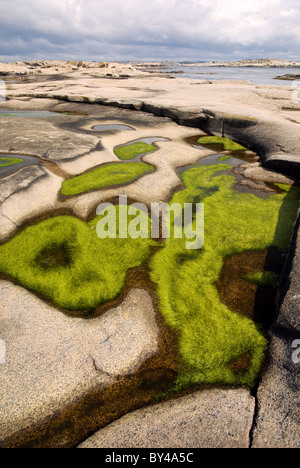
35	114
64	261
260	188
4	162
234	158
135	150
11	163
220	143
108	175
108	127
26	114
213	297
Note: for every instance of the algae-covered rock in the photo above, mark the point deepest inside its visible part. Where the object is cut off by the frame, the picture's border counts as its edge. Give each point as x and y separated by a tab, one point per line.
64	261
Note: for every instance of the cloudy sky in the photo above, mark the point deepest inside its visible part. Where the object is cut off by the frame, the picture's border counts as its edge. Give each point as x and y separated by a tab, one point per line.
149	29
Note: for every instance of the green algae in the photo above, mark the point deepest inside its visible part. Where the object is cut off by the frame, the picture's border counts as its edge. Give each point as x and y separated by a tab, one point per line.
263	278
64	261
224	158
104	176
228	145
134	150
5	162
283	187
211	336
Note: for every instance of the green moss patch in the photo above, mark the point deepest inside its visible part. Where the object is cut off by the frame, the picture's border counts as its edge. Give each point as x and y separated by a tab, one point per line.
211	336
134	150
4	162
224	158
104	176
224	143
64	261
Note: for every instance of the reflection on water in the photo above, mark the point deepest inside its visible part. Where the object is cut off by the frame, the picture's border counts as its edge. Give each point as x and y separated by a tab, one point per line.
108	127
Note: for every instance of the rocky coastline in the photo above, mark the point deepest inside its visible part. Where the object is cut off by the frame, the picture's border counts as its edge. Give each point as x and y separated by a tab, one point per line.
69	374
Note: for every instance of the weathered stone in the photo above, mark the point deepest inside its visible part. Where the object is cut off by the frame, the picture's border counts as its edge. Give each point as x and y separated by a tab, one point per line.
35	193
277	423
253	115
257	173
289	314
21	179
257	116
273	140
42	138
284	162
207	419
60	370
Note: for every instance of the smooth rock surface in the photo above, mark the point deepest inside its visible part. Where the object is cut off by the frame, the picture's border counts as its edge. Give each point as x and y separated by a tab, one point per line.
33	196
257	173
289	314
58	380
207	419
265	117
277	423
42	137
20	180
53	359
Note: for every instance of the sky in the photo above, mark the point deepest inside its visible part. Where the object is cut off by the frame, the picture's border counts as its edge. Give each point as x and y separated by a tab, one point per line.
175	30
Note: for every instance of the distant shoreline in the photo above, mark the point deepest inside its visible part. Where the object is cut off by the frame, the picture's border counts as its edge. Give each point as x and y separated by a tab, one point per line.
260	63
256	63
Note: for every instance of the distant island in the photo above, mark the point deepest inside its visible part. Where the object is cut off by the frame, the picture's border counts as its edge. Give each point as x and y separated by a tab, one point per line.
289	77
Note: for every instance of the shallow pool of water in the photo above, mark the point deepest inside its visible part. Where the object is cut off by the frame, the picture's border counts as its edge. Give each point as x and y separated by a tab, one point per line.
147	141
109	127
234	159
33	114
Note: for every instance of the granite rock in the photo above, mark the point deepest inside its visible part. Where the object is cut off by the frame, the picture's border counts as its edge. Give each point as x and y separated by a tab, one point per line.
289	313
60	370
207	419
20	180
277	423
53	143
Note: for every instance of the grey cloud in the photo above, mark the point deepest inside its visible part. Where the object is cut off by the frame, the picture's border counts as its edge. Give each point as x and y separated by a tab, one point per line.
138	29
